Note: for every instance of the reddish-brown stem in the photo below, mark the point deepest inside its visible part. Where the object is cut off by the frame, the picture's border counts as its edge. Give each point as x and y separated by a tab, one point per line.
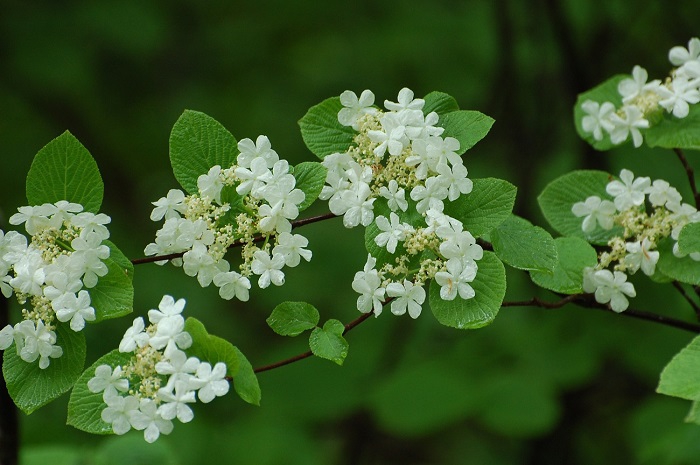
691	175
685	295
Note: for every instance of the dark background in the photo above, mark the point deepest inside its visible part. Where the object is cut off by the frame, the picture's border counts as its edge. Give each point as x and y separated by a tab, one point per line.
563	386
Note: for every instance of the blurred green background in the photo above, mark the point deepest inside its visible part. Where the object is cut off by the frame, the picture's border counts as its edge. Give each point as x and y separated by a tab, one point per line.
568	386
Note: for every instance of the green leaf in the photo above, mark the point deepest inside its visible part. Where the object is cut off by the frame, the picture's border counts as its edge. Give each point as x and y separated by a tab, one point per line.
321	131
65	170
560	195
489	287
488	205
467	126
198	142
113	296
310	177
30	386
605	92
245	382
681	377
685	270
85	407
672	132
689	239
440	103
573	255
293	318
694	413
410	216
328	342
523	246
212	349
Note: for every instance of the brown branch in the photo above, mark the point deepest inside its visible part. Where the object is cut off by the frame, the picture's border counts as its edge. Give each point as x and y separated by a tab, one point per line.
691	175
687	297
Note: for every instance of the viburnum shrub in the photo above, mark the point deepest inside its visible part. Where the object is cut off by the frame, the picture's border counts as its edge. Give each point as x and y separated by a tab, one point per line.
433	236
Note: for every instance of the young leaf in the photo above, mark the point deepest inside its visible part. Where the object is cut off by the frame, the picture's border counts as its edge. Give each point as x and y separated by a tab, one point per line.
521	245
685	270
672	132
212	349
440	103
489	287
30	386
113	296
245	382
328	342
488	205
681	377
293	318
573	255
468	127
689	239
65	170
605	92
85	407
560	195
321	131
198	142
310	177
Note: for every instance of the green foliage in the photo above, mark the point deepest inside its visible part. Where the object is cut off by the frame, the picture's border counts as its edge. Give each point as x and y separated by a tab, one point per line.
321	131
212	349
113	296
490	288
65	170
85	407
198	142
521	245
573	255
328	342
605	92
31	387
410	216
689	239
293	318
685	270
681	377
467	126
488	205
672	132
245	382
561	194
310	177
439	102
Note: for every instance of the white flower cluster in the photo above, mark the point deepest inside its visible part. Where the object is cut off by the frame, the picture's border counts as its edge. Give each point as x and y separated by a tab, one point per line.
641	99
267	199
635	249
156	385
396	152
66	254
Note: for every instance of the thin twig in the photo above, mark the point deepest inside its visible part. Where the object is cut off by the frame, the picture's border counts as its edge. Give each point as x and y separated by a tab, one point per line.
685	295
691	175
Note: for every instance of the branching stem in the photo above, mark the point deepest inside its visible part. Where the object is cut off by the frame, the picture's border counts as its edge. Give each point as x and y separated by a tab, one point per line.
691	175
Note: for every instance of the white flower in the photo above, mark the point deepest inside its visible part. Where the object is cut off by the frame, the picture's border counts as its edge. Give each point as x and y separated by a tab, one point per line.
178	367
358	204
13	246
134	337
36	342
630	191
393	231
118	412
442	151
77	309
429	196
391	138
148	419
291	247
368	284
171	335
680	55
175	404
355	108
268	268
612	288
456	280
108	381
407	296
29	273
198	262
595	211
632	122
661	193
454	179
405	101
210	184
678	95
62	278
212	382
396	197
462	246
253	179
261	149
92	224
597	118
167	307
630	89
232	284
34	217
170	206
7	336
276	217
90	251
639	255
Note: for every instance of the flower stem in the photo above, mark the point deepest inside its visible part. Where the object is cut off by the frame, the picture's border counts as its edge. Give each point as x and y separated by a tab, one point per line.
691	175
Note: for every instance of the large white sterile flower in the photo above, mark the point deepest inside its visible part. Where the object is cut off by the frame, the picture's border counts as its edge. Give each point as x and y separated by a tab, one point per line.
429	196
148	419
36	342
677	97
393	231
262	148
405	101
29	273
34	217
391	138
662	193
90	251
171	335
368	285
631	123
178	367
134	337
680	55
597	118
632	88
628	192
170	206
454	179
456	279
210	184
396	198
232	284
75	309
92	224
291	247
407	296
354	107
640	255
108	381
462	246
174	404
269	268
253	179
612	288
168	306
211	382
118	412
198	262
596	211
